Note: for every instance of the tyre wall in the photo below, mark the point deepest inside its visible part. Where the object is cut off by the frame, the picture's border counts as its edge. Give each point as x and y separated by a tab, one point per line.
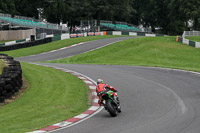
11	77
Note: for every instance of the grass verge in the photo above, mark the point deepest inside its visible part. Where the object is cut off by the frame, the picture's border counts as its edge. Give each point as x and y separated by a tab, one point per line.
3	41
2	65
52	46
148	51
53	96
194	38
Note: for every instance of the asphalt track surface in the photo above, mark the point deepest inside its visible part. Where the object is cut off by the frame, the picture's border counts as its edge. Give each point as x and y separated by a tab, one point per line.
153	100
72	50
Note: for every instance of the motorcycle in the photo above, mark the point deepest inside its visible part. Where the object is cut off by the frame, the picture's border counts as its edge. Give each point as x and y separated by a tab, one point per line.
110	102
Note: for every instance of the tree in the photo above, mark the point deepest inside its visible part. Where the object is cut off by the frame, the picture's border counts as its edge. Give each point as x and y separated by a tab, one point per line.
7	6
191	11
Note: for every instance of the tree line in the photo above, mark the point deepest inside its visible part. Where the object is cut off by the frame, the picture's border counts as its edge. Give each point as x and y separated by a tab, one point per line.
170	16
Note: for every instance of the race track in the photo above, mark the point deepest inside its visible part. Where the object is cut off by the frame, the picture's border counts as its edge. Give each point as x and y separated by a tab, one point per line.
153	100
62	53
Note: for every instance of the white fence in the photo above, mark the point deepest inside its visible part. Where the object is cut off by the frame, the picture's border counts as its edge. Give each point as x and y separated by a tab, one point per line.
190	33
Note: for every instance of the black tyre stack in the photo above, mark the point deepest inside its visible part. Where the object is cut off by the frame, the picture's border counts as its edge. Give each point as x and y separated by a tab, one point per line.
11	78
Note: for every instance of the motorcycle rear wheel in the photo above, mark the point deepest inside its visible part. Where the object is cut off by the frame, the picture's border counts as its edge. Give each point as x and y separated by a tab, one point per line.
111	109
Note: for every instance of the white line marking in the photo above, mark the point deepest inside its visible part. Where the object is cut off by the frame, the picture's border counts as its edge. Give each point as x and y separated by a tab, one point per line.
92	87
53	50
74	73
62	124
93	108
38	131
81	116
81	77
95	100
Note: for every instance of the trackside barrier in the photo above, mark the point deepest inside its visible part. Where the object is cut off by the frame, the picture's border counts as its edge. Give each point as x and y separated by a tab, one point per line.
80	35
56	37
11	77
14	42
25	44
97	33
73	35
188	42
59	37
125	33
117	33
130	33
91	34
2	44
86	34
140	34
150	35
65	36
10	43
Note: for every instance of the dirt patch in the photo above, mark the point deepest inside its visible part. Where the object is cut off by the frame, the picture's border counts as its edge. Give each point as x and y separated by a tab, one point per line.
89	95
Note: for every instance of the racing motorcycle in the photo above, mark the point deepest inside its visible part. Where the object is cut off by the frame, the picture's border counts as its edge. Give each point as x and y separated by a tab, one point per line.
110	102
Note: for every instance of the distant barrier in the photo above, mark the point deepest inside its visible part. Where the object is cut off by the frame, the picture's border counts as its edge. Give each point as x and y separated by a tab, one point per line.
190	33
11	77
55	37
25	44
188	42
131	33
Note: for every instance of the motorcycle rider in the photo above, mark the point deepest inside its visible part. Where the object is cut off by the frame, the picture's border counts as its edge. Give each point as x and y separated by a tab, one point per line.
103	87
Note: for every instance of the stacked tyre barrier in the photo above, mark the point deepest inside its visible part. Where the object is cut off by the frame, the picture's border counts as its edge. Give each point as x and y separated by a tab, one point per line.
11	77
25	44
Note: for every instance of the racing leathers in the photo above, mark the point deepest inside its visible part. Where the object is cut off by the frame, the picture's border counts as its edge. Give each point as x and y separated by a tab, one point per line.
103	87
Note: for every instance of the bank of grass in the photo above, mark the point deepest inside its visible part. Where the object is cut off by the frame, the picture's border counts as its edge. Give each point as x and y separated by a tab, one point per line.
194	38
3	41
53	96
52	46
2	65
148	51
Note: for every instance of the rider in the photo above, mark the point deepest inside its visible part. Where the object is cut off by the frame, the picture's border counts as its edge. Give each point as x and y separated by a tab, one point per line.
102	87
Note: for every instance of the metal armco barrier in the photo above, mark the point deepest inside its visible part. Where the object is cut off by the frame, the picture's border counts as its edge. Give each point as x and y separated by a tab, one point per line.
11	78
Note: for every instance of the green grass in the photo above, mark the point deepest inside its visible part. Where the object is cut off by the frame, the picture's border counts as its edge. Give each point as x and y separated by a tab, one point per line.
2	41
194	38
2	65
52	46
53	96
148	51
